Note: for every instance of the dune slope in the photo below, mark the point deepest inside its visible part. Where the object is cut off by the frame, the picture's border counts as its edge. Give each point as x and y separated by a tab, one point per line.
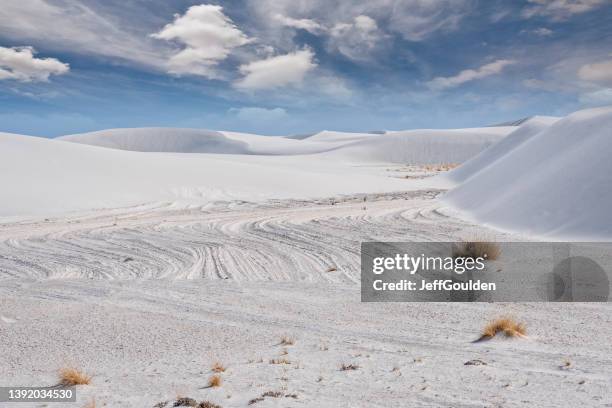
556	183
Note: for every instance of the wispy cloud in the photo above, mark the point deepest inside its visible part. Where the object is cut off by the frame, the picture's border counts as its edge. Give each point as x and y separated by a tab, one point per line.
492	68
79	28
258	114
355	39
558	10
599	72
307	24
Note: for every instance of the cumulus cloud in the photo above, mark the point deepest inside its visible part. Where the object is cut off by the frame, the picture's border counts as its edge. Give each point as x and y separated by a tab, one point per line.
559	10
356	39
307	24
278	71
599	72
492	68
19	63
209	37
258	114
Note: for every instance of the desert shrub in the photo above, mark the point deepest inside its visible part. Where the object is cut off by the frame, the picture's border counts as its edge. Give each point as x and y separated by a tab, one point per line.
215	381
287	341
506	325
70	376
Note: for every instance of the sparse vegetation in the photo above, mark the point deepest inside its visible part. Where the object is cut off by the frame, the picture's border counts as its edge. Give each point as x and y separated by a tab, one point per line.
332	269
440	166
475	362
218	367
70	376
349	367
215	381
271	394
207	404
287	341
279	361
185	402
508	326
477	249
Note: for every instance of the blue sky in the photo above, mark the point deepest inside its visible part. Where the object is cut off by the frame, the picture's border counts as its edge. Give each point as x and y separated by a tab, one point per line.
288	66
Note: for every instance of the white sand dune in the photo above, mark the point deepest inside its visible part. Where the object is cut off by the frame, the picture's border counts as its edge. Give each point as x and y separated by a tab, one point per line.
147	301
42	176
126	167
233	250
412	147
556	182
427	146
527	129
161	140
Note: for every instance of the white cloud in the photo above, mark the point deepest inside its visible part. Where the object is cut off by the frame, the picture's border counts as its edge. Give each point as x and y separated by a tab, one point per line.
19	63
543	32
414	20
209	36
81	28
302	24
278	71
417	20
467	75
356	39
258	114
599	72
558	10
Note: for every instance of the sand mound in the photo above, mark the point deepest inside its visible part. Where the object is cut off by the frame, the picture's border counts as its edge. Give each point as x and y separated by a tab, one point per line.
557	182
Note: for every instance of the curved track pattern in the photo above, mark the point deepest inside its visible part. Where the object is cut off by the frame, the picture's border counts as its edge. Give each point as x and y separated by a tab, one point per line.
277	241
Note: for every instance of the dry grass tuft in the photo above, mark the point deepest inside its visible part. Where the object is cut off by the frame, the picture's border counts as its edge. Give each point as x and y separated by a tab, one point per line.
440	166
332	269
69	377
477	249
279	361
273	394
215	381
185	402
218	367
287	341
505	325
349	367
207	404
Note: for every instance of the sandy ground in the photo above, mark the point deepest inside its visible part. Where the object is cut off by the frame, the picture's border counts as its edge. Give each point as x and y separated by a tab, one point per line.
225	282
